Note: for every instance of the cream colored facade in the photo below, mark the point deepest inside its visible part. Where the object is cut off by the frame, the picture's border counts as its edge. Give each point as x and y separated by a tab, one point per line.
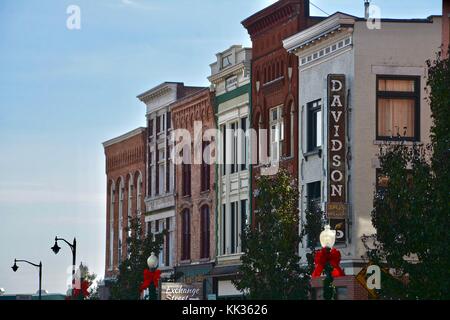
343	44
230	80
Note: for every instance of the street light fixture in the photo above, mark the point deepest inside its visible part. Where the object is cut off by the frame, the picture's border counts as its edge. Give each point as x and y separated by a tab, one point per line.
73	247
152	262
15	267
327	237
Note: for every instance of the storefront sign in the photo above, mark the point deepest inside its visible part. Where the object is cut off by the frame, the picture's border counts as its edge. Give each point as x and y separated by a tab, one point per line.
180	291
341	233
337	197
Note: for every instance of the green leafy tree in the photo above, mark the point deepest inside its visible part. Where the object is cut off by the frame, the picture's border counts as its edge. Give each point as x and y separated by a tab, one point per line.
411	211
131	270
270	265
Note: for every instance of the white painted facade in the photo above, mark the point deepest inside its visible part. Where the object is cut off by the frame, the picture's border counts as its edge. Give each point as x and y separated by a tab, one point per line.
342	44
230	78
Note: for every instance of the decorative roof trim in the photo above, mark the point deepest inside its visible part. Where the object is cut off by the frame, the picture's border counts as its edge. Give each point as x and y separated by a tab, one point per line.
124	137
323	29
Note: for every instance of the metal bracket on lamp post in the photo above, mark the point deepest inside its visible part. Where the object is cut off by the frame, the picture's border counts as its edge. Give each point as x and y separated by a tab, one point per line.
73	247
15	267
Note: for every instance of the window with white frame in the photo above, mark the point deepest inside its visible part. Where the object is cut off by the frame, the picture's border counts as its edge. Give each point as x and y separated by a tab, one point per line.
111	226
276	133
120	240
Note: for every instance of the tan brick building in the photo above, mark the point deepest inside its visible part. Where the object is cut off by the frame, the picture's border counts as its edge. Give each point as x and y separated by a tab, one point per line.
125	172
195	193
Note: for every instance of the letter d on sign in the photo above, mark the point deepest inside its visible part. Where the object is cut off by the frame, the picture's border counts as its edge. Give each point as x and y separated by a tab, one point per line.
74	20
374	280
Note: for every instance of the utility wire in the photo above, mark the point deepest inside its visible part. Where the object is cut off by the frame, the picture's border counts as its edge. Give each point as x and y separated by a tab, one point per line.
319	8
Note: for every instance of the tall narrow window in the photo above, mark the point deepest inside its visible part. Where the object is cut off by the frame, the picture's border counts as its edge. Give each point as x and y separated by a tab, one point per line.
168	243
398	104
157	171
313	198
150	127
234	228
314	125
205	231
244	221
111	226
169	120
224	149
205	169
291	130
120	229
224	229
150	174
186	175
276	133
234	147
186	236
244	144
158	124
161	172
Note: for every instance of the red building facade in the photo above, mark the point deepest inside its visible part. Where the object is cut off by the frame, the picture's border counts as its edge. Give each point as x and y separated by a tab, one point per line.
195	193
445	26
275	81
125	171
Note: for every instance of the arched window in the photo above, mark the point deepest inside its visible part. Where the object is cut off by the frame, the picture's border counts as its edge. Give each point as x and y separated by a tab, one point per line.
186	235
291	129
120	229
130	203
204	232
112	192
138	195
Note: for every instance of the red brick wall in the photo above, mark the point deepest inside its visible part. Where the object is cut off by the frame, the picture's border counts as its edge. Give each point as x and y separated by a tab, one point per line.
124	159
354	290
445	26
267	29
197	107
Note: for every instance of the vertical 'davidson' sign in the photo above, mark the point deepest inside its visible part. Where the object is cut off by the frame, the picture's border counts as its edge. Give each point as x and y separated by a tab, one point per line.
337	197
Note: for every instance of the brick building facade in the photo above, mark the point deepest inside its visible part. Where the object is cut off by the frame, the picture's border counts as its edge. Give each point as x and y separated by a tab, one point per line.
275	81
125	174
445	26
195	192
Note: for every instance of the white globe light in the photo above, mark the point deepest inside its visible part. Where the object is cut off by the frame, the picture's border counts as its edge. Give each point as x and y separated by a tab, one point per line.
327	237
152	261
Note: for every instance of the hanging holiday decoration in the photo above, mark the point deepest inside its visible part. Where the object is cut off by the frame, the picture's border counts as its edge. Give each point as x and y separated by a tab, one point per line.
331	256
150	277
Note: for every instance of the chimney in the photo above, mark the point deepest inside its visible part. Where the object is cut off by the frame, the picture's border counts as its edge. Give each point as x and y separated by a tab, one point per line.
366	9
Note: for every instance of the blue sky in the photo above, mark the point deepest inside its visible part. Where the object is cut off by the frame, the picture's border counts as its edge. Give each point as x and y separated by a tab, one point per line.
63	92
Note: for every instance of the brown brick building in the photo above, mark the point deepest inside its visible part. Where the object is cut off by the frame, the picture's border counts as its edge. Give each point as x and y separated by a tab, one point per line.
275	81
125	171
195	193
445	26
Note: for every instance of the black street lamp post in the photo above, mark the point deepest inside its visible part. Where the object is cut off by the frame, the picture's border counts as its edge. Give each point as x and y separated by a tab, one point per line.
73	247
15	267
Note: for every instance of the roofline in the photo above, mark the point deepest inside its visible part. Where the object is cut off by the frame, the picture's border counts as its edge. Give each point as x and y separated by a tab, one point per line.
189	96
157	88
124	137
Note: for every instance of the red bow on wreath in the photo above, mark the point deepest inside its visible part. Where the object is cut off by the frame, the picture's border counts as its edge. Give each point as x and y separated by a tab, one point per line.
150	277
333	257
82	291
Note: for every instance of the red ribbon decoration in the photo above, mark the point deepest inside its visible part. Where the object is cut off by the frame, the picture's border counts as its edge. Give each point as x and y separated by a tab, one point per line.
76	292
150	277
333	257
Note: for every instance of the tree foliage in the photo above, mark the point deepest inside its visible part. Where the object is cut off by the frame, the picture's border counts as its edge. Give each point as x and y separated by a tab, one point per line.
411	213
126	286
270	265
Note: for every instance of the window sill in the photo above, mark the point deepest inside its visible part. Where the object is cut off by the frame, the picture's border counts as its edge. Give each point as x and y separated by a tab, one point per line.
378	142
185	261
317	151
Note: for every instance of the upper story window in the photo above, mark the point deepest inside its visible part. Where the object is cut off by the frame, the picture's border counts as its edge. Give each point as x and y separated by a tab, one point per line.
205	168
150	127
398	104
158	124
186	235
276	133
226	61
169	120
314	125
